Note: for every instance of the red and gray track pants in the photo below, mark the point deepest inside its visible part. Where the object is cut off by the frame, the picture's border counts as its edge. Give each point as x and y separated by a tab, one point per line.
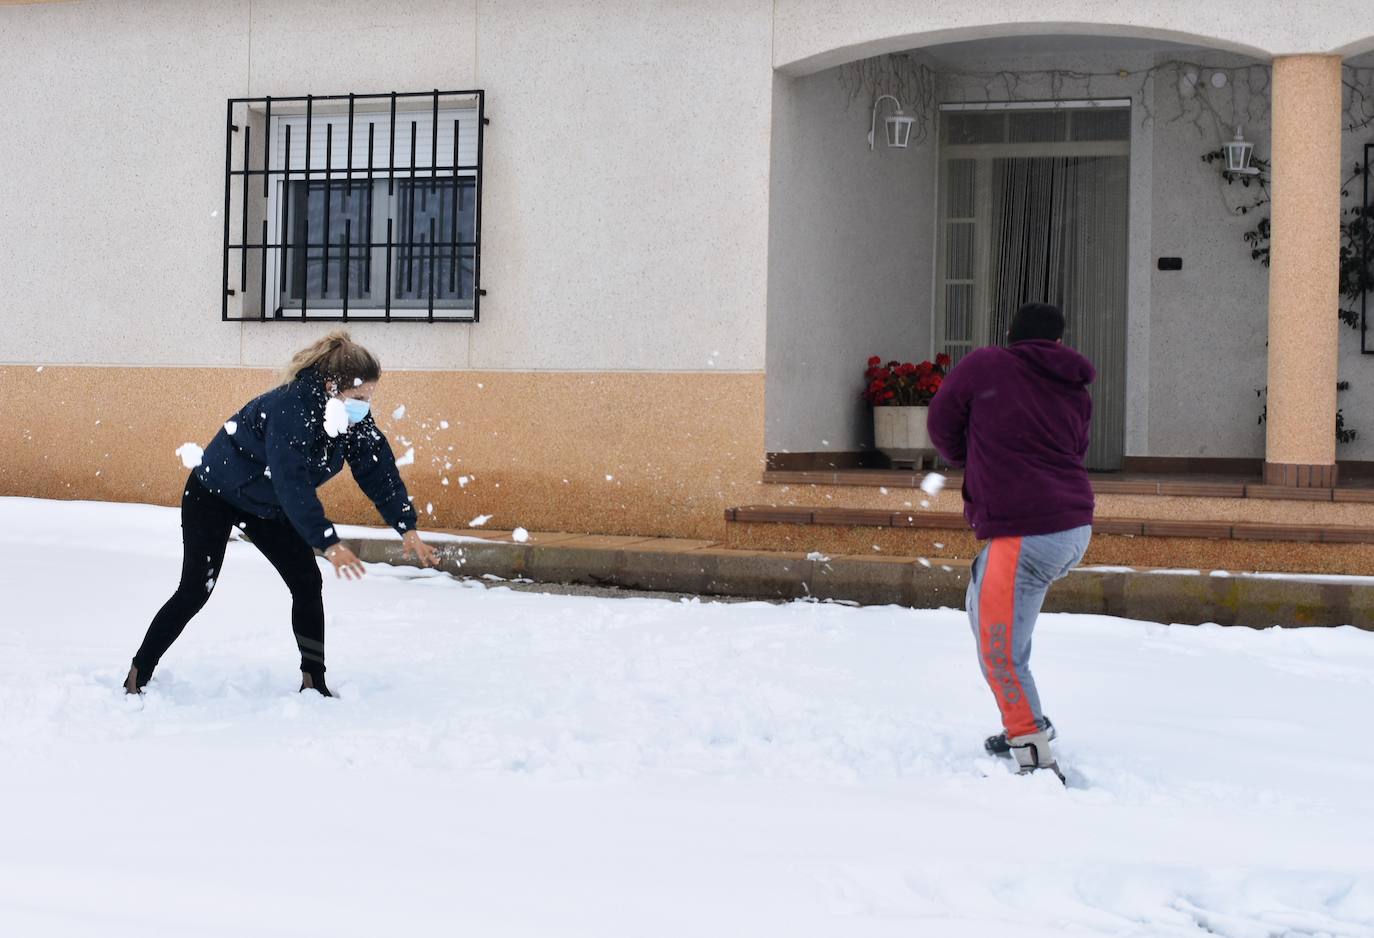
1009	580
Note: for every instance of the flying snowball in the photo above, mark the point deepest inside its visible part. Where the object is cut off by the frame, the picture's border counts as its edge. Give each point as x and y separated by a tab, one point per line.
231	427
399	413
335	417
479	521
520	535
407	459
190	455
932	484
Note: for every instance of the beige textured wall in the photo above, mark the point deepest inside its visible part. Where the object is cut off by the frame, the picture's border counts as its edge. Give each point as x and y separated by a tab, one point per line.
624	209
1304	260
537	448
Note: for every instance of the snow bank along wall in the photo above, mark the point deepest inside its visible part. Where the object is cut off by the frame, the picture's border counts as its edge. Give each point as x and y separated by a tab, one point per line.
616	381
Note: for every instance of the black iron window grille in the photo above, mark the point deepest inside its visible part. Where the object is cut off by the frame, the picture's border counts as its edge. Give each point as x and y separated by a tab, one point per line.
358	208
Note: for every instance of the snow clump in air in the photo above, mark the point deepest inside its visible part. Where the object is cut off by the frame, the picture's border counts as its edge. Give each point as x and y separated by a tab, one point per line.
399	413
335	417
818	557
231	427
190	454
520	535
479	521
407	459
932	483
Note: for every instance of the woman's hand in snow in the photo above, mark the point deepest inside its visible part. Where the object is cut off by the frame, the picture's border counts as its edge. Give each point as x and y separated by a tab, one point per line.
346	563
412	546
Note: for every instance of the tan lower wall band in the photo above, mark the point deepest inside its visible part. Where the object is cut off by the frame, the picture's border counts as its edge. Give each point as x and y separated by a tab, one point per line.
605	452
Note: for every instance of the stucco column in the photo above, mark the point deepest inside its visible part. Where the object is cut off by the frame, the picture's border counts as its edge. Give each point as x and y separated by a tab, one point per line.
1304	252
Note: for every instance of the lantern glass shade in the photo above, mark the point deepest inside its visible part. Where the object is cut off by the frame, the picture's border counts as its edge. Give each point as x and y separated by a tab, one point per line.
1238	152
899	130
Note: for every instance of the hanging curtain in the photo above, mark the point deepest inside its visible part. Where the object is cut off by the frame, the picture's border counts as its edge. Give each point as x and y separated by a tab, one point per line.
1058	234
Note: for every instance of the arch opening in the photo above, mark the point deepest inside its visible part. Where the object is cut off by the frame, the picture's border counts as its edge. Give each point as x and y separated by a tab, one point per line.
1046	165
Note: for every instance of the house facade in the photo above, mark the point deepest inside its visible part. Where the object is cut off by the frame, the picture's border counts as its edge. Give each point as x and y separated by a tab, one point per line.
624	263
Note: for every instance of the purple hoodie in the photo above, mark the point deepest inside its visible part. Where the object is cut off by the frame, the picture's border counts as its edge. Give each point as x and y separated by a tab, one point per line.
1017	419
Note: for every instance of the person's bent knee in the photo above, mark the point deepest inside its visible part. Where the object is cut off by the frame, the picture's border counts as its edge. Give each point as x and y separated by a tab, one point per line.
306	583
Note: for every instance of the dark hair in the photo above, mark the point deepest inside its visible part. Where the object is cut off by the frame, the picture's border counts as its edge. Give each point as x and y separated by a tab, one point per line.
1036	321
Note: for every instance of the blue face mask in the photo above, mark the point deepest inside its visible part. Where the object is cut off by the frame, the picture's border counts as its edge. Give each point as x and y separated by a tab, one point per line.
357	409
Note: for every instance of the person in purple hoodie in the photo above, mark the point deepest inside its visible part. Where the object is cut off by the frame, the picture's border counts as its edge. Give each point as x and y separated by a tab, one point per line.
1017	420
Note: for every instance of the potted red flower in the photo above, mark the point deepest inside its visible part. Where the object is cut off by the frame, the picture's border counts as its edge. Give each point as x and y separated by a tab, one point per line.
900	393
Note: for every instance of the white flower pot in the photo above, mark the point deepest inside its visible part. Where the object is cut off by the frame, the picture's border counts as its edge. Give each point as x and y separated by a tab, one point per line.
900	433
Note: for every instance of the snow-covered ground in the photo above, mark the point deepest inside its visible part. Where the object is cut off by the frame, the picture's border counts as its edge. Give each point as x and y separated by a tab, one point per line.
505	763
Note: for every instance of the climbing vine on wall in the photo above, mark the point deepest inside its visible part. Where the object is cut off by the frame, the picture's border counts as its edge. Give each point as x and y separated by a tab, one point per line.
1357	234
1210	96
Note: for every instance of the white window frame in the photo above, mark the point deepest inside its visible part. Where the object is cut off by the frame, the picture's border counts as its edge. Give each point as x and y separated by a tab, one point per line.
382	149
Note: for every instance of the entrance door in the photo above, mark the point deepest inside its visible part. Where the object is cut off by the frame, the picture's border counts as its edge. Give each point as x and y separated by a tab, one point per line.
1034	209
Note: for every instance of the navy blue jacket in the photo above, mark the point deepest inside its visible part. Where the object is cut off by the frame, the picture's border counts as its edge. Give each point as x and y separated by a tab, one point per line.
279	453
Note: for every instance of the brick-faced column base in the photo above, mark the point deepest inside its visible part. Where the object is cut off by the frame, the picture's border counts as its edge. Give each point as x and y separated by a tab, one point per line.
1299	475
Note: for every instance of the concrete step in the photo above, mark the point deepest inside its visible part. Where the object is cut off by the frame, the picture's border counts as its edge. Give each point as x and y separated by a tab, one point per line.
1136	542
711	569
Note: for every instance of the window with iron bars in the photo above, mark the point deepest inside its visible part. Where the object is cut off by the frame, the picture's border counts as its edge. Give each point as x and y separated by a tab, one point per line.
354	207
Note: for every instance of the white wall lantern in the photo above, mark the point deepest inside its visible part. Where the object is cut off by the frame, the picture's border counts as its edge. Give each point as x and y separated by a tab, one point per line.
897	126
1238	153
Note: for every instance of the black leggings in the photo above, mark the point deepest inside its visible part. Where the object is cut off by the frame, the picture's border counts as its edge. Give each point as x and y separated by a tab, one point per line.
206	521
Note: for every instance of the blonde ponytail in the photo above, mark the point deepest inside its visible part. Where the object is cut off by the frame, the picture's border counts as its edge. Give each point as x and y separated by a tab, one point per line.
336	357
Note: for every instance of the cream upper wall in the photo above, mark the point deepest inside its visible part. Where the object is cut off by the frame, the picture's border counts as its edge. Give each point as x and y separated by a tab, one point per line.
811	35
625	137
109	195
850	263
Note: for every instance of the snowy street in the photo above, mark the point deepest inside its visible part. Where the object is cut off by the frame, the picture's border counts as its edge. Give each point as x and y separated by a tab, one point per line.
504	763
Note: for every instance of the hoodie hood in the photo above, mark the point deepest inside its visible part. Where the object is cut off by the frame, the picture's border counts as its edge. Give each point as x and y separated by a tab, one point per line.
1055	361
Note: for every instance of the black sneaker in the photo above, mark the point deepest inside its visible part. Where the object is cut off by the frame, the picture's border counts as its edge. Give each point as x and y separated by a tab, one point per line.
314	682
133	684
998	745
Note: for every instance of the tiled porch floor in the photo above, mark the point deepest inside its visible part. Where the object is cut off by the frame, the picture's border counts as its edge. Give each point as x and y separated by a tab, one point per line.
1357	488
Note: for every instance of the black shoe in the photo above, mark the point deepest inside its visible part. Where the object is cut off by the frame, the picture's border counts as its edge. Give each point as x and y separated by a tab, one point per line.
133	684
314	682
998	745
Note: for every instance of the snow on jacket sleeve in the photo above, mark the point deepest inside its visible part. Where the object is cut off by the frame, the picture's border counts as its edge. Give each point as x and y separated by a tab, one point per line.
374	469
289	429
947	421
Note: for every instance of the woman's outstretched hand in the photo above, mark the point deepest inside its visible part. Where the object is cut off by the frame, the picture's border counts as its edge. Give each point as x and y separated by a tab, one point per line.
346	563
412	546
